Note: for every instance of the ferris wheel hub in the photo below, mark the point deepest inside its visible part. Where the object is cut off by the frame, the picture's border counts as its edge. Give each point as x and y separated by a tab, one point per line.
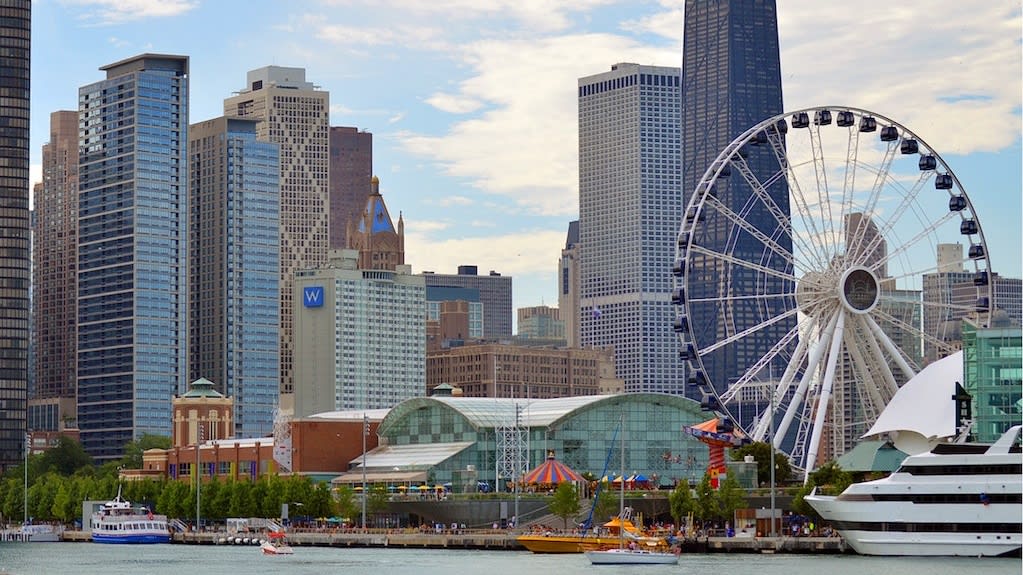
858	290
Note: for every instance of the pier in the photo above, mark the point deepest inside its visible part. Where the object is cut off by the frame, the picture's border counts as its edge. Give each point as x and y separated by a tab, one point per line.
500	540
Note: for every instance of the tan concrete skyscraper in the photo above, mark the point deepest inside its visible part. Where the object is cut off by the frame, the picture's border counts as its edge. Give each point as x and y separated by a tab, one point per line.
55	277
296	115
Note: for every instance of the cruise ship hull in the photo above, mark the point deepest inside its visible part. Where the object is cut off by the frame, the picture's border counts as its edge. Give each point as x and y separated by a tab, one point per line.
861	528
958	499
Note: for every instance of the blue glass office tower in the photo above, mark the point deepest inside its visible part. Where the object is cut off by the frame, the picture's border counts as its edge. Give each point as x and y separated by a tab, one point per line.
630	210
234	269
731	81
15	43
132	250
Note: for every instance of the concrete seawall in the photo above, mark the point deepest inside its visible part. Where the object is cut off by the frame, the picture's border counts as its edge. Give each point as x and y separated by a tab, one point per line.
501	540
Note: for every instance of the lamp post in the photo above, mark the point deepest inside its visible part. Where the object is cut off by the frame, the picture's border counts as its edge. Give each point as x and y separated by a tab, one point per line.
772	464
365	432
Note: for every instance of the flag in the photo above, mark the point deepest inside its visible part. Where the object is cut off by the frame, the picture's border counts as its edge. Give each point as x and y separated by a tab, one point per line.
596	312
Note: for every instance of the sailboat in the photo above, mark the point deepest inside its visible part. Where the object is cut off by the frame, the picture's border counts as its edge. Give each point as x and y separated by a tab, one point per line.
637	551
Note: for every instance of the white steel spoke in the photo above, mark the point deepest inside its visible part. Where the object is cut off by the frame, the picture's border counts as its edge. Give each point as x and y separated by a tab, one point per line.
781	388
925	233
753	373
796	193
735	337
752	230
926	337
880	178
885	230
742	263
779	216
891	348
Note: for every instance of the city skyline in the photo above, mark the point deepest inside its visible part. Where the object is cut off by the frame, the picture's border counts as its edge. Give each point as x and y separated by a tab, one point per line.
459	101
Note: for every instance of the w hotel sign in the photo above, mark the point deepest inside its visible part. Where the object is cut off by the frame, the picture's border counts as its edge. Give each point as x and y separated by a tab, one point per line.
312	296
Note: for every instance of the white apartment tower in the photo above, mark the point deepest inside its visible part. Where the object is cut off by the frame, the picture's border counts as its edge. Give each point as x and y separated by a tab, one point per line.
295	114
630	206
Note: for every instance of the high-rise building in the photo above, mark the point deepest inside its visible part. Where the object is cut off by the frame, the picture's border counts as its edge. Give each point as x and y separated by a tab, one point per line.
351	171
132	250
540	322
234	271
360	336
15	39
295	114
55	277
568	285
732	81
495	294
629	216
453	314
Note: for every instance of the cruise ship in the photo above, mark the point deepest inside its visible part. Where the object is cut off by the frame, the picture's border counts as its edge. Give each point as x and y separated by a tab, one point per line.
956	499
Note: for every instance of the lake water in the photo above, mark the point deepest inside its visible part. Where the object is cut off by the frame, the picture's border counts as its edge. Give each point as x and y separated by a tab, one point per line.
93	559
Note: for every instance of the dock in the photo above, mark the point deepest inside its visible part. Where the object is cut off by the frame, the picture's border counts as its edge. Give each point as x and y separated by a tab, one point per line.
498	540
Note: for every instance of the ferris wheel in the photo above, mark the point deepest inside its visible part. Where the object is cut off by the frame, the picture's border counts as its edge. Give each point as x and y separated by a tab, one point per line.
825	257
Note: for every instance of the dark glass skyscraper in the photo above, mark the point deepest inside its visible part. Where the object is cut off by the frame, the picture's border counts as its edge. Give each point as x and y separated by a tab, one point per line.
132	250
15	42
731	81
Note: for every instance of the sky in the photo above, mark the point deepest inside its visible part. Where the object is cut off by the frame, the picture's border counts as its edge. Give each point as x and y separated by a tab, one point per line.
473	109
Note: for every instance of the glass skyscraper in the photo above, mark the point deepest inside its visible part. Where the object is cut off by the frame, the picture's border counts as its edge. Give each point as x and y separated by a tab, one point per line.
629	214
234	270
132	250
732	81
15	41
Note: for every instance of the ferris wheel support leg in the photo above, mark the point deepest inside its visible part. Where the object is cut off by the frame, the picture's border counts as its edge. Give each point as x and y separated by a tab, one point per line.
890	348
780	390
825	395
811	368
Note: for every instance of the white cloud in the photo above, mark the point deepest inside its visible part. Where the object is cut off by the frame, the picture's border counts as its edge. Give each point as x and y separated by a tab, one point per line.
423	227
536	15
525	145
453	104
105	12
448	201
513	254
948	71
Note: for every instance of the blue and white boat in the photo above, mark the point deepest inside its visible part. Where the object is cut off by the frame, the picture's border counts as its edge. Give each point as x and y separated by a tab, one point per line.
118	522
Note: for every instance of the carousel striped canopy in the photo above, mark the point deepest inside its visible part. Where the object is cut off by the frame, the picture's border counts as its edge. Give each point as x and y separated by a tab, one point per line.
551	472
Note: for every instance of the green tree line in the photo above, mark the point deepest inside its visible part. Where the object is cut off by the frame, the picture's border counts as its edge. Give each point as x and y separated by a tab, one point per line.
60	479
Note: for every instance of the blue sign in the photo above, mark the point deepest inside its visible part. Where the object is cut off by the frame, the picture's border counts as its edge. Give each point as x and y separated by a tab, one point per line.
312	296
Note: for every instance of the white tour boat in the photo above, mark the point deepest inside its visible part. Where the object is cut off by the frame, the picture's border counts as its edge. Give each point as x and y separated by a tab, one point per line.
118	522
956	499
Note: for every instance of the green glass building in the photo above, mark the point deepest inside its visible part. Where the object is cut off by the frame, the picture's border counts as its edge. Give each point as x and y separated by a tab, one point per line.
993	370
458	440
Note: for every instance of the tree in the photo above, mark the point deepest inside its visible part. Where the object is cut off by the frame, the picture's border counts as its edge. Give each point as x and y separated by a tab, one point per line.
565	502
761	452
829	478
346	505
706	500
65	457
681	502
321	504
730	497
606	502
134	449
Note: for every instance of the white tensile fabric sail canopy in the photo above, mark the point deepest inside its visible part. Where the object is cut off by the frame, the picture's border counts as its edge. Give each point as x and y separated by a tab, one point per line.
923	412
